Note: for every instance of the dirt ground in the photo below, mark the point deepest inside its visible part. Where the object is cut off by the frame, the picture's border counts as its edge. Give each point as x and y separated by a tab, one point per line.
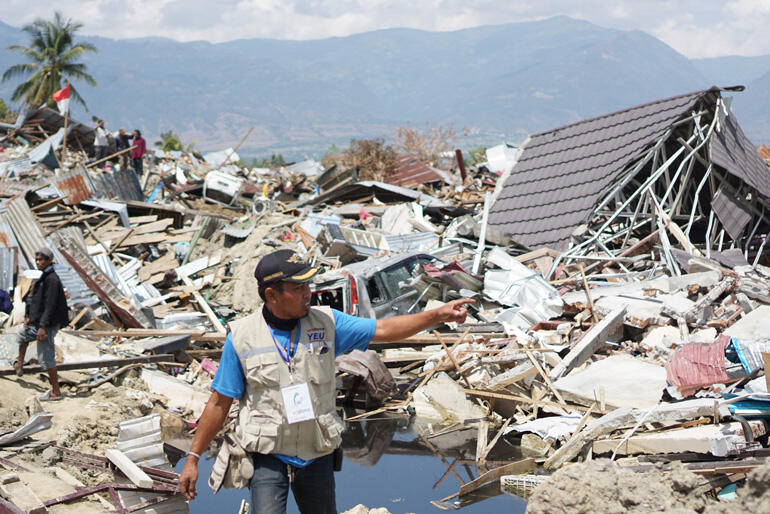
603	486
86	422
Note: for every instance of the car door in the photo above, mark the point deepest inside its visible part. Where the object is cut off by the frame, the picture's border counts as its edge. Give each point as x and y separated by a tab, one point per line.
396	296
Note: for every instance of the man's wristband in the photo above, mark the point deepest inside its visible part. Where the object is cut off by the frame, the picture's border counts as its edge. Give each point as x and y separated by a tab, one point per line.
197	455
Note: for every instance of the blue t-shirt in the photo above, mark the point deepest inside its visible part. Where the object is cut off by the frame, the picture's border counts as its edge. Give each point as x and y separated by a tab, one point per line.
350	333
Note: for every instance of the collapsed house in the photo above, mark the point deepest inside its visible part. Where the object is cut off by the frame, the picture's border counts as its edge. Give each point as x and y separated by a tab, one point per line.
662	206
605	188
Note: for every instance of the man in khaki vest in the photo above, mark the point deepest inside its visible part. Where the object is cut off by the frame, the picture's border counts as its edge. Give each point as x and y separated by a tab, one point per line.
279	362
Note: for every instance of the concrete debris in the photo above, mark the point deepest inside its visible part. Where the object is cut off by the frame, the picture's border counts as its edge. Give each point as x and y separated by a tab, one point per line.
633	341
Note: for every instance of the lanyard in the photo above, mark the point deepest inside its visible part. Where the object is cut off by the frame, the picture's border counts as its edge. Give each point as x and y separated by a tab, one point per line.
287	353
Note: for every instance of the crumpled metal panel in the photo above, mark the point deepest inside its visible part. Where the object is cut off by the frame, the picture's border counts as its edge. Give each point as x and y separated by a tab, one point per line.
79	292
141	441
26	228
118	184
124	309
410	172
74	187
8	240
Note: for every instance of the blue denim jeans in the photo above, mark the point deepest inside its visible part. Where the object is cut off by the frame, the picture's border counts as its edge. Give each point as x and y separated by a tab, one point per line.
46	355
312	486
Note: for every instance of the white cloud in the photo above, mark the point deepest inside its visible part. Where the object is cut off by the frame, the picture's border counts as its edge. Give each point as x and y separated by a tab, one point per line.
696	28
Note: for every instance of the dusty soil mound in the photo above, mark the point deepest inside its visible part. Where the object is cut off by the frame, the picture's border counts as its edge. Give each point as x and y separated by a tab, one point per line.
753	497
602	486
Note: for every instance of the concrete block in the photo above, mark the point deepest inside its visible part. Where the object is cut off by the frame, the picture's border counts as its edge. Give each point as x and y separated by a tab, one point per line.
626	381
443	400
662	337
754	325
18	493
718	440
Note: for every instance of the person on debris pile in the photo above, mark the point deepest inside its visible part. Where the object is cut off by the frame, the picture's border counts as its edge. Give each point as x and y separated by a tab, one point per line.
279	361
122	141
138	153
101	141
47	311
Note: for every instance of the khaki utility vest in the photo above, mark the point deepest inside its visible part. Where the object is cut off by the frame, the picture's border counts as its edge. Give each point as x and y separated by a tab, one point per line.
262	426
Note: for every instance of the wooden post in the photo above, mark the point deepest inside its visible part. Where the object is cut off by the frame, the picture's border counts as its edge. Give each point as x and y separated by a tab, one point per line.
64	139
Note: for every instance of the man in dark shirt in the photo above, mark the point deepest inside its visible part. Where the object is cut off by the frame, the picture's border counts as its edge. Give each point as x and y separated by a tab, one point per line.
46	313
122	142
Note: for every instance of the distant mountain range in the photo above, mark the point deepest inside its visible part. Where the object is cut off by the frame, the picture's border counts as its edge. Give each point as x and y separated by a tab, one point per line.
499	82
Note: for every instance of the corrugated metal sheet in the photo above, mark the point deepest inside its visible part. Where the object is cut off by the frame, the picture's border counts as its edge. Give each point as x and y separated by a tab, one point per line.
104	288
414	242
410	172
8	240
382	191
26	228
118	185
79	292
74	187
51	120
7	267
732	150
562	173
141	441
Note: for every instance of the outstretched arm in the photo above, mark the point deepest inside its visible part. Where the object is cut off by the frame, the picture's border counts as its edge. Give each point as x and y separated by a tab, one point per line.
211	421
401	327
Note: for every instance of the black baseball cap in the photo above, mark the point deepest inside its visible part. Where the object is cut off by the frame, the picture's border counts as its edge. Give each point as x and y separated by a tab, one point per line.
283	266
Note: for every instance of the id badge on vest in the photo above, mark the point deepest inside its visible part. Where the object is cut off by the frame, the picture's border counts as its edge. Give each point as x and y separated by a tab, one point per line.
297	403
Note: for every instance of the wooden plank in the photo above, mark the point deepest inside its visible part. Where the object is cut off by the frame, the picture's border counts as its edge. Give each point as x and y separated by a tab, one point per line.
204	305
128	468
138	220
520	466
524	399
108	363
195	335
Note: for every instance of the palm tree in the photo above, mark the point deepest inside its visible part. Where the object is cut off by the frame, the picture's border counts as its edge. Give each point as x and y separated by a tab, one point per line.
52	54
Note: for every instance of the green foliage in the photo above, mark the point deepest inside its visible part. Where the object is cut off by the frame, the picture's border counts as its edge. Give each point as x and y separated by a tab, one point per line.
52	55
274	161
476	155
6	115
169	142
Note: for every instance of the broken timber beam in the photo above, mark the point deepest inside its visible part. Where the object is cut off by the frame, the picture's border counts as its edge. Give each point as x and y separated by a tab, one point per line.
165	357
128	468
589	343
520	466
203	304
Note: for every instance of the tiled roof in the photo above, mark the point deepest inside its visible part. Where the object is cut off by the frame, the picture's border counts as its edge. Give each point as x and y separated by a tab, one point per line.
731	150
563	173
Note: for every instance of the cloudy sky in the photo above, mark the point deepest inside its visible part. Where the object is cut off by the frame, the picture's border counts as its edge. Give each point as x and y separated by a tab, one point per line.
696	28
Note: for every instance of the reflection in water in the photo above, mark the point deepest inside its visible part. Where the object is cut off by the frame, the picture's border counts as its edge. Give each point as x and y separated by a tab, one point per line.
392	463
365	442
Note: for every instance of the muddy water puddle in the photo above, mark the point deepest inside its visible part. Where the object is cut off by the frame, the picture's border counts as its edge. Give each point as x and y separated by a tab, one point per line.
391	463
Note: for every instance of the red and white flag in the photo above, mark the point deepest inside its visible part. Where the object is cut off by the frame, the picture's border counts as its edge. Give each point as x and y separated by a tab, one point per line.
62	99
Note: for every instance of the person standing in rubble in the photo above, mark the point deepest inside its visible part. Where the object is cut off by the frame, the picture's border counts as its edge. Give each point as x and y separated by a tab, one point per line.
137	154
279	361
122	142
101	141
47	311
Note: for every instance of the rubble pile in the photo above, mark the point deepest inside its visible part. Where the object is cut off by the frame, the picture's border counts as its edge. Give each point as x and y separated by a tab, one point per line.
631	340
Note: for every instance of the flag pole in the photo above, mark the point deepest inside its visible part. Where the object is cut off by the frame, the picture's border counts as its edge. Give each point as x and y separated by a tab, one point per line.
64	141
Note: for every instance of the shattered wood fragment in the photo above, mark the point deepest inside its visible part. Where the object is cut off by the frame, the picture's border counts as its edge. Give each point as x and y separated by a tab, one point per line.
590	342
521	466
